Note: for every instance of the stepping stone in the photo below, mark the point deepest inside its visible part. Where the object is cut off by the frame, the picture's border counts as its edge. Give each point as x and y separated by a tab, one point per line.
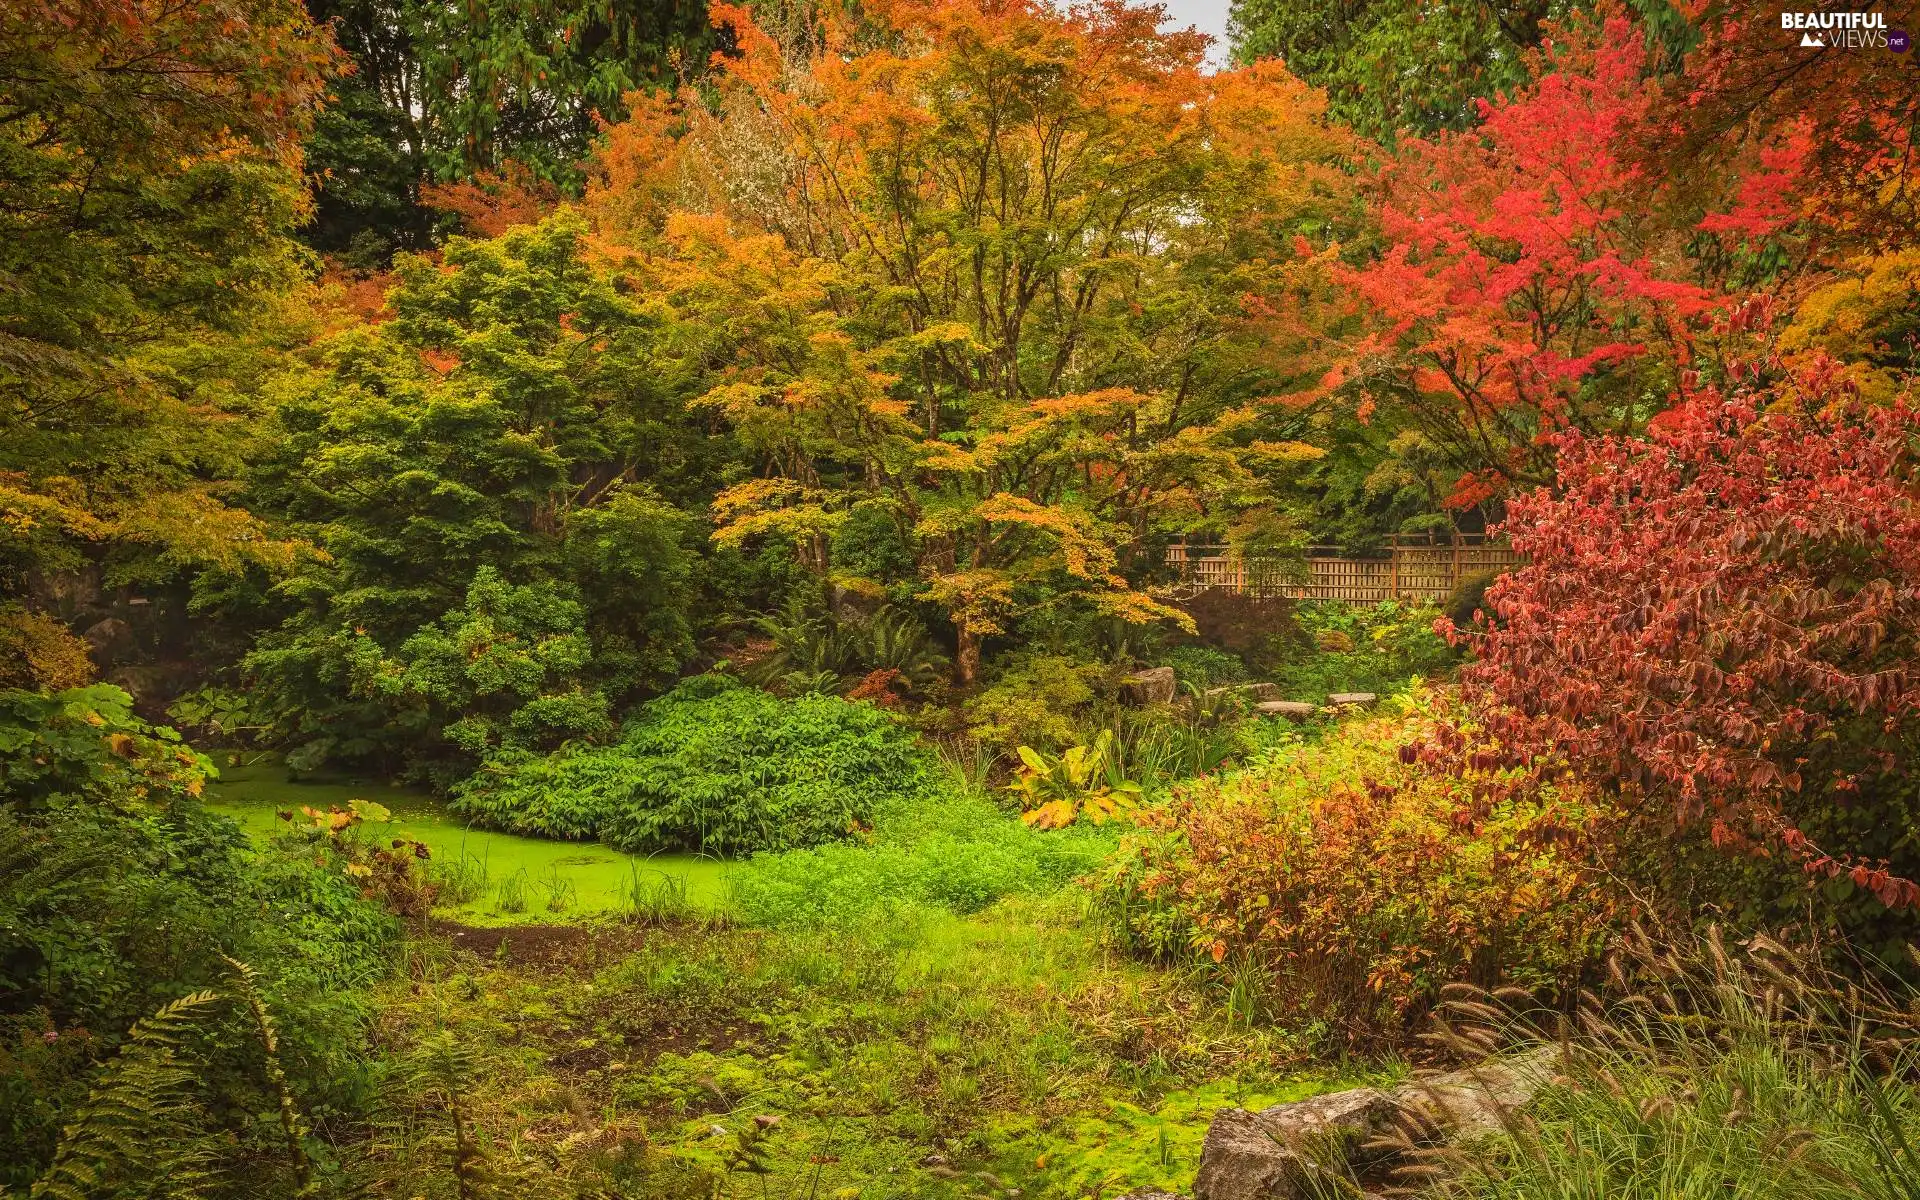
1256	692
1295	709
1344	699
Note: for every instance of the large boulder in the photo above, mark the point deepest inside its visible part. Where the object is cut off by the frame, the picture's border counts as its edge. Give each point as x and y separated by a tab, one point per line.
1478	1100
110	642
1275	1153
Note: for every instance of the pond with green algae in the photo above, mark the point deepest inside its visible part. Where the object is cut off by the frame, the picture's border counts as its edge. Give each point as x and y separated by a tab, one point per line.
498	877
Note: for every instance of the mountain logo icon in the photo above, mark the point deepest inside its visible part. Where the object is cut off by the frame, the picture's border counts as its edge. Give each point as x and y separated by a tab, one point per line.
1813	40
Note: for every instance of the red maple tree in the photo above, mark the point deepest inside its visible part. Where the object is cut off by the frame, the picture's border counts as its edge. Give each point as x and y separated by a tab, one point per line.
1548	271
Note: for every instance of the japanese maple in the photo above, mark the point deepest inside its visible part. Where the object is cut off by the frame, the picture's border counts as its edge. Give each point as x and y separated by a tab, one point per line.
989	279
1545	272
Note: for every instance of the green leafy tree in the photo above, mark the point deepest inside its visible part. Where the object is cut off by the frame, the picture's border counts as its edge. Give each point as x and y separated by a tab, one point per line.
442	92
1393	65
1419	66
503	671
489	475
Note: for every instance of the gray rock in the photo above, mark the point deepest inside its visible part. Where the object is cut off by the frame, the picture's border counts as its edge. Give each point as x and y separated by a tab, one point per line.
1298	710
1479	1100
111	641
1152	686
1352	699
1274	1154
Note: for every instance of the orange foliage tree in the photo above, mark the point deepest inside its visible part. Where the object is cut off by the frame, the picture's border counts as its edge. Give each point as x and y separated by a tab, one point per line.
988	275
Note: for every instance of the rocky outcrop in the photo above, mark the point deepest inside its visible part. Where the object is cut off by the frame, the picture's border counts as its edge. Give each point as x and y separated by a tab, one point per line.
1274	1154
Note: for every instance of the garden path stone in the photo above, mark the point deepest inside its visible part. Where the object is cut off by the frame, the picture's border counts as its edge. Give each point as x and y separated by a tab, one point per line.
1256	692
1299	710
1356	699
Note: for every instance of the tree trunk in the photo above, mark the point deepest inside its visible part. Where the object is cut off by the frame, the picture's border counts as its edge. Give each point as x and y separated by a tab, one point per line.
966	658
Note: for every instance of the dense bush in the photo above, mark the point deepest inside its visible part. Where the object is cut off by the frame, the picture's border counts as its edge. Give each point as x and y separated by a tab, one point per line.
1348	649
1719	622
1039	699
712	767
1359	883
119	894
1204	666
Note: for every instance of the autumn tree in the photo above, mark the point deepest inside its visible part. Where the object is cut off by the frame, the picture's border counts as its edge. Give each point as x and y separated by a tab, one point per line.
1536	276
989	279
149	183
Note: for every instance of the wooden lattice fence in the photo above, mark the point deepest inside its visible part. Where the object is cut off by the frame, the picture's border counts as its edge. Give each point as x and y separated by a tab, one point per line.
1406	571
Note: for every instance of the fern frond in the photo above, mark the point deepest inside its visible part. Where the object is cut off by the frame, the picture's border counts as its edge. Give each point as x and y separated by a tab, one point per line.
293	1127
138	1121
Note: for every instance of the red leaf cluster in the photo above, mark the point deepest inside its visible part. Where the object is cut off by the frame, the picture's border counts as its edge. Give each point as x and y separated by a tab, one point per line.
1721	615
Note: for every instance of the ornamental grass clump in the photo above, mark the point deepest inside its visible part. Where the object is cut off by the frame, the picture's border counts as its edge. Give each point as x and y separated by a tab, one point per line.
1697	1070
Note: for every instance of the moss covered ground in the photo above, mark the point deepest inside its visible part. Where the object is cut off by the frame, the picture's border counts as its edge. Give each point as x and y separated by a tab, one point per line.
491	878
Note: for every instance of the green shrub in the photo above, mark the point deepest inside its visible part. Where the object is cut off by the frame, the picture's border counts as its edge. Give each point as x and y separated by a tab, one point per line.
715	768
1205	667
1467	597
1350	649
1040	700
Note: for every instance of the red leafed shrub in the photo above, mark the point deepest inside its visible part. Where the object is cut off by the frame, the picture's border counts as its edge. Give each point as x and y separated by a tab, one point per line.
1354	878
1722	617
